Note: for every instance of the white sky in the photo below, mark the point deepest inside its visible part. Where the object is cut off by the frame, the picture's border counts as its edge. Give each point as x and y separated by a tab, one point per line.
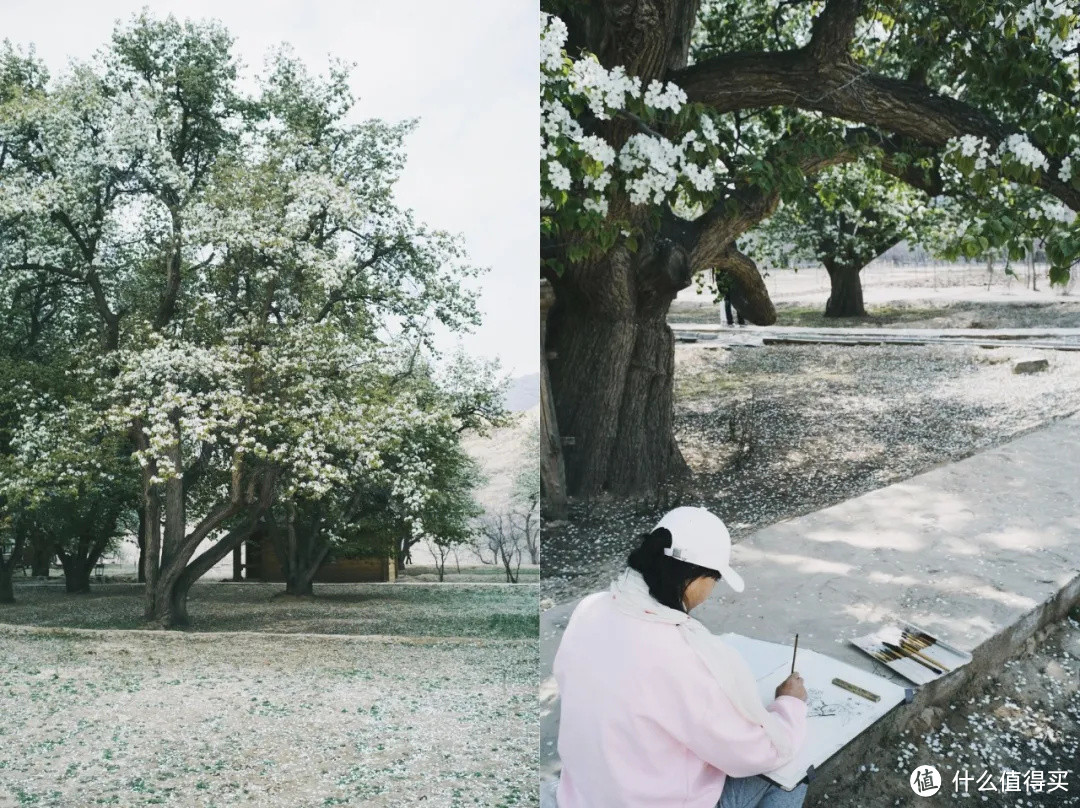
468	71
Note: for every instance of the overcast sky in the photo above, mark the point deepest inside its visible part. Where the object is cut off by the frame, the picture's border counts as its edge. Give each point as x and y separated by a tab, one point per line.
467	70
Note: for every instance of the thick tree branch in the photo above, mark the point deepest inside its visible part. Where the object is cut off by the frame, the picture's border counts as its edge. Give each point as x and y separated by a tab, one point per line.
843	89
748	291
715	231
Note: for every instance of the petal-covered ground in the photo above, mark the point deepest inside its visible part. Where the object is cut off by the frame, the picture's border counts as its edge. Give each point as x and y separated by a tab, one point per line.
433	706
777	431
1023	719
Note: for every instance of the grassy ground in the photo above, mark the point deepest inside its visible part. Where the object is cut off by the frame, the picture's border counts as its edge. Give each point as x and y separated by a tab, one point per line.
503	612
435	704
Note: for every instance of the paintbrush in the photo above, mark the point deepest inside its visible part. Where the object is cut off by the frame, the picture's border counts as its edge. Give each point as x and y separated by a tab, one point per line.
920	641
903	653
893	653
916	651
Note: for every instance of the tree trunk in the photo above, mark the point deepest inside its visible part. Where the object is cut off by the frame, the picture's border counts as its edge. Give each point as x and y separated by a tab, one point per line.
42	557
141	571
301	550
7	566
552	466
846	297
151	545
176	579
612	380
77	571
7	588
300	579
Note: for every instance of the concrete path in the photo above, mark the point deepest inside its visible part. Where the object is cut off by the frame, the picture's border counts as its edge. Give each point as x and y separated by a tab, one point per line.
749	335
981	552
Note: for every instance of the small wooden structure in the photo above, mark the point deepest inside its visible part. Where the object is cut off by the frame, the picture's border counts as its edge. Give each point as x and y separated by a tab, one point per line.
261	563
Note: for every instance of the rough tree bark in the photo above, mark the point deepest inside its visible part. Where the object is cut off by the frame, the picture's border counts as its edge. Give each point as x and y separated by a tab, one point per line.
552	466
613	375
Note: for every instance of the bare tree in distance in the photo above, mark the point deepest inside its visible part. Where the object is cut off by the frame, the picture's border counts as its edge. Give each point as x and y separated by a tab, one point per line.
504	538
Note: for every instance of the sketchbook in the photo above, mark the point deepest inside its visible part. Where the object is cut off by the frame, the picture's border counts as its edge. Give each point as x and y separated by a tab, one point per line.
834	716
911	652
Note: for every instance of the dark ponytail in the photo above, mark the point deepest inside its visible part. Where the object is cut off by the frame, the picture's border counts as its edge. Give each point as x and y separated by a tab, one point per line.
666	577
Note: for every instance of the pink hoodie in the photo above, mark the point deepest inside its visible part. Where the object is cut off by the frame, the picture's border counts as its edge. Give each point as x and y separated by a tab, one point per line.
643	723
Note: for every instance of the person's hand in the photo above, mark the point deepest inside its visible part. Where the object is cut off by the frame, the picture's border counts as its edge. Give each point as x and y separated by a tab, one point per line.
792	686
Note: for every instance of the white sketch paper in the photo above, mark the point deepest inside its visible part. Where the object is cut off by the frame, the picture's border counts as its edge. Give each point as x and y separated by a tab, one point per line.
934	660
834	715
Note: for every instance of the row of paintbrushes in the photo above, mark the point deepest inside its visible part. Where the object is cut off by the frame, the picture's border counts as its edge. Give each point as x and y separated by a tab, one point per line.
910	647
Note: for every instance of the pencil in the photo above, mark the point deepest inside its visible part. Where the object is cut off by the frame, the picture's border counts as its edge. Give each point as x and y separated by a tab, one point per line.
793	653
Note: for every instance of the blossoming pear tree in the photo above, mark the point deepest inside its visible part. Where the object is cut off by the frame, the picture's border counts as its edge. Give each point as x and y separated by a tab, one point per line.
228	269
671	127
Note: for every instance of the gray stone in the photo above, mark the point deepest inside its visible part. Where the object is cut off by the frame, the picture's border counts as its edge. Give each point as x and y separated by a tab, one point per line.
1032	366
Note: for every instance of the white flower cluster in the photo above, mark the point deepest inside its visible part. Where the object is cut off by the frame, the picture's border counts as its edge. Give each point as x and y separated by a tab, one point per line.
661	95
974	146
1065	172
553	35
1040	19
651	169
1053	210
1024	151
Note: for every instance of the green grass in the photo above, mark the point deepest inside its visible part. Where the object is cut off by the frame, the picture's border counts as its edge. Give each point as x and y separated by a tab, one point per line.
399	610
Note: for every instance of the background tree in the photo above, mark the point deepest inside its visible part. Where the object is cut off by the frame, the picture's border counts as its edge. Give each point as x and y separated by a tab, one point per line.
848	216
415	484
671	127
501	541
70	484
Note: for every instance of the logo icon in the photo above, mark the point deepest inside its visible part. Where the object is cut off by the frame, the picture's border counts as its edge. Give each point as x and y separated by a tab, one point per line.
925	781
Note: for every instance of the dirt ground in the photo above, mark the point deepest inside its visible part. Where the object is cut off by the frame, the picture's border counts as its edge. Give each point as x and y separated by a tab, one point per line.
434	705
1024	718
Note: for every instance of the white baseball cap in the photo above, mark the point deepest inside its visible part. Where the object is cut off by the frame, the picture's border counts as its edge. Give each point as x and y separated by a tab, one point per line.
701	537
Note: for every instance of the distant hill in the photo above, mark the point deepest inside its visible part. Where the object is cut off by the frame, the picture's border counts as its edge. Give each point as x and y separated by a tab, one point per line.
523	393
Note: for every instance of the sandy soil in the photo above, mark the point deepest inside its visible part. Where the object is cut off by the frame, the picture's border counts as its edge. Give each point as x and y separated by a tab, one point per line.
134	718
1024	718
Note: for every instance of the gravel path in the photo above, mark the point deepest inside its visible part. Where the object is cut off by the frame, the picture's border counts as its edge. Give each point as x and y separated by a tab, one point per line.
774	432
